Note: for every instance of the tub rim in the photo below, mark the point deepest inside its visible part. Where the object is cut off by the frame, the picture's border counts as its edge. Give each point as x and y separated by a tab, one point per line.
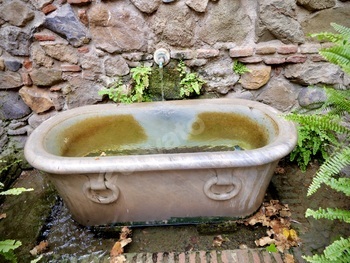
39	158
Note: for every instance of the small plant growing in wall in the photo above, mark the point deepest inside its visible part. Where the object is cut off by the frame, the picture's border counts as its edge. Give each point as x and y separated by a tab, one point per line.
117	92
190	82
239	68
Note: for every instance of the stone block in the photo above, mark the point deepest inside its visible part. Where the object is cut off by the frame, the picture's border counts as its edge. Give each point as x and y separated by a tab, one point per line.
64	22
258	76
198	5
182	54
12	106
13	65
61	52
16	13
147	6
310	48
70	68
36	98
44	37
250	60
241	52
10	80
274	60
45	76
15	41
207	53
287	49
48	9
296	59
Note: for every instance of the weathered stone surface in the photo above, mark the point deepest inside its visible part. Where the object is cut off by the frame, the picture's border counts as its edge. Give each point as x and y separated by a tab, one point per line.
14	40
64	22
312	97
219	76
310	73
83	92
279	93
147	6
45	77
116	66
36	119
10	80
197	5
16	13
180	32
321	21
316	4
61	52
220	25
118	29
13	65
40	3
37	99
258	76
12	106
39	56
2	64
279	18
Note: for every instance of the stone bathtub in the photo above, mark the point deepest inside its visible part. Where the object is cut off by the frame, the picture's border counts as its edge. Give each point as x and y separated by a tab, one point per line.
162	162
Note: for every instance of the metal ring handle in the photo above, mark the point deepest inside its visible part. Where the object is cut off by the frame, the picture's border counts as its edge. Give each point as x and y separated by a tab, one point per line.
94	196
237	185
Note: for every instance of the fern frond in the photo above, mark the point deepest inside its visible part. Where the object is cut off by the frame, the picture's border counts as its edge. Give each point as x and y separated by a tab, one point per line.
324	122
342	30
340	185
330	167
338	101
338	251
329	213
339	55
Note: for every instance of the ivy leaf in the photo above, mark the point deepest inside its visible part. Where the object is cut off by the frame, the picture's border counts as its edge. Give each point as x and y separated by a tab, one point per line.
16	191
272	248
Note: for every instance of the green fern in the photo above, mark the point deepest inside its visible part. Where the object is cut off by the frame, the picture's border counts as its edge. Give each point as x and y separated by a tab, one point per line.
340	185
338	251
329	168
329	213
340	53
338	106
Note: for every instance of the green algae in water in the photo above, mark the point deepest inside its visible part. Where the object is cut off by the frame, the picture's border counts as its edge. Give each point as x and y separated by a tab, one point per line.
104	132
144	151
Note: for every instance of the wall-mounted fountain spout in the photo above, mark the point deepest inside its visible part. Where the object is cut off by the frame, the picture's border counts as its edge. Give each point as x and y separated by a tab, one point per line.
161	57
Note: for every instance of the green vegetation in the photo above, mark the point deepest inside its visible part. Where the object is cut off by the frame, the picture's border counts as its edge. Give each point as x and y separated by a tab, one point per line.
118	91
239	68
8	246
331	119
190	82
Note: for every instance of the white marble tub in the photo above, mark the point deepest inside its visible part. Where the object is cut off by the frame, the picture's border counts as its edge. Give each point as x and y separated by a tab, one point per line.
162	162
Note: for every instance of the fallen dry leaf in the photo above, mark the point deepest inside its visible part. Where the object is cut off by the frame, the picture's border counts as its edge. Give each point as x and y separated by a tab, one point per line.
288	258
217	241
118	248
2	216
37	250
264	241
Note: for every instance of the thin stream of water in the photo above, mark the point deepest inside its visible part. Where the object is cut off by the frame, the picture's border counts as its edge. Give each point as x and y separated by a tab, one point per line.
161	80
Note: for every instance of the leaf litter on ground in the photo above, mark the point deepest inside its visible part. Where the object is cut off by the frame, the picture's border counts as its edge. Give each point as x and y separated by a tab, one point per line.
277	217
116	254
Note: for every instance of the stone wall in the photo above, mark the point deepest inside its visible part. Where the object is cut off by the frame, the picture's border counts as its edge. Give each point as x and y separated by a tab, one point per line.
57	54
